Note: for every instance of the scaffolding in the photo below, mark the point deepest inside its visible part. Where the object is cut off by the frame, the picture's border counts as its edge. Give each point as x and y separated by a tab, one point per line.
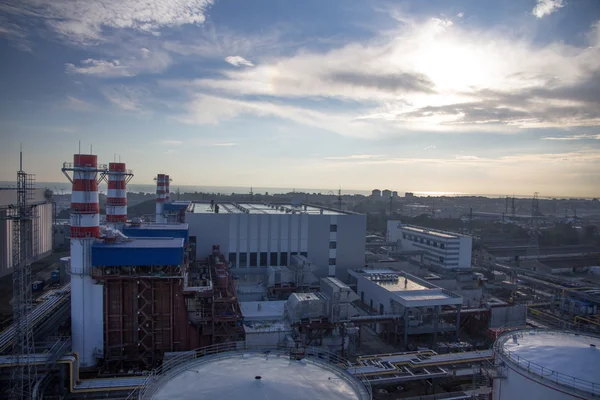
24	247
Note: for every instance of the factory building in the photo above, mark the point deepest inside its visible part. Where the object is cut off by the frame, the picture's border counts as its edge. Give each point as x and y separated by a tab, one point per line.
40	235
254	236
415	305
440	249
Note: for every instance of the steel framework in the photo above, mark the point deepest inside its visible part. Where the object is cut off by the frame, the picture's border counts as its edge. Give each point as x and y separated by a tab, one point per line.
24	247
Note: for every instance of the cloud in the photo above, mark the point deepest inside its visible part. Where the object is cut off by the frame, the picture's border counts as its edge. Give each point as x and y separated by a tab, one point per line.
426	75
136	62
574	137
460	14
78	104
128	98
546	7
238	61
470	158
15	33
355	157
224	144
170	142
84	20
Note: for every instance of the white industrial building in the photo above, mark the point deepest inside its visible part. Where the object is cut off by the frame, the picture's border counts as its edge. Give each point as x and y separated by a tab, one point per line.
441	249
260	235
40	237
417	304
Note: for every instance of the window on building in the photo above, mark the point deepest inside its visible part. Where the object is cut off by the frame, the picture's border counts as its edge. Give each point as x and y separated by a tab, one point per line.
441	259
381	309
421	240
332	228
428	242
442	245
404	236
274	259
332	261
263	259
333	245
253	259
243	260
284	259
304	253
435	244
233	259
293	253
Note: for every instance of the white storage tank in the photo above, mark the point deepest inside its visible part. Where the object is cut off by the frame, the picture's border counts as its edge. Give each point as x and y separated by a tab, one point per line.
547	365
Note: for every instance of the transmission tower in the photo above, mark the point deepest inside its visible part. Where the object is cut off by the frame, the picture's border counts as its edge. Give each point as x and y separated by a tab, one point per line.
533	249
24	247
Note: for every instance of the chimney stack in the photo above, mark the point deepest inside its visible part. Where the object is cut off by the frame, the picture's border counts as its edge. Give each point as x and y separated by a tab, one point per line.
160	198
116	199
87	331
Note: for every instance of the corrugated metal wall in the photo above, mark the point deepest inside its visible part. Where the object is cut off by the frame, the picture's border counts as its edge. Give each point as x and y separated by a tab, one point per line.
44	238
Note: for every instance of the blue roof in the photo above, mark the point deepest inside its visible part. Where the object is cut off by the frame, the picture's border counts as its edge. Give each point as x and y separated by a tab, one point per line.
157	230
177	205
138	252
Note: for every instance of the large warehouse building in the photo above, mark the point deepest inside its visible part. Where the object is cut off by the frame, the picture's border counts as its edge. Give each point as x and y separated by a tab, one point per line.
441	249
42	227
255	235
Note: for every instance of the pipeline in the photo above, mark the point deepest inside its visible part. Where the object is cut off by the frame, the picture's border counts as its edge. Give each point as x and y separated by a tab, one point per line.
77	385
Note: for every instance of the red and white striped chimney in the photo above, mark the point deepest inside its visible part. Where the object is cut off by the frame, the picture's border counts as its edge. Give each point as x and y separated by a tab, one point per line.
167	189
116	199
160	198
87	331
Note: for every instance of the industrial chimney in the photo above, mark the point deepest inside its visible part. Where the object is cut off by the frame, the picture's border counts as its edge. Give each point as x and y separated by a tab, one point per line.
87	332
117	178
160	198
167	189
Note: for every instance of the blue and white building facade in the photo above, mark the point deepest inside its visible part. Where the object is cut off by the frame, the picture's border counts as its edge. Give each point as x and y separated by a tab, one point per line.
442	249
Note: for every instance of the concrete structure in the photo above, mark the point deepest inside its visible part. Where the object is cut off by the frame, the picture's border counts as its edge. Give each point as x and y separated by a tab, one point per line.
446	250
264	323
253	235
254	375
550	365
414	302
43	226
87	329
376	193
386	194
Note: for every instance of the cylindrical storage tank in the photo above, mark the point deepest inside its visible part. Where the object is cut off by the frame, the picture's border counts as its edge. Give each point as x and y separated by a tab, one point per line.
547	365
264	373
161	191
116	196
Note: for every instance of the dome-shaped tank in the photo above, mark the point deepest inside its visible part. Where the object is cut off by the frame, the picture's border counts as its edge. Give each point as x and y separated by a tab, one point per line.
256	374
547	365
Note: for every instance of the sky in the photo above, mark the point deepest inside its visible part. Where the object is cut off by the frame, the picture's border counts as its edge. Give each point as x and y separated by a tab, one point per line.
468	96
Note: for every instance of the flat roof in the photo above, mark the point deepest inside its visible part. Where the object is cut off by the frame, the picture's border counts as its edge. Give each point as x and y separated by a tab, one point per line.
142	243
235	378
262	208
432	232
257	310
562	355
160	227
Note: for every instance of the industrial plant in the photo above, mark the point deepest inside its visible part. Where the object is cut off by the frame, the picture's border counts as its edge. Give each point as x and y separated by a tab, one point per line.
278	299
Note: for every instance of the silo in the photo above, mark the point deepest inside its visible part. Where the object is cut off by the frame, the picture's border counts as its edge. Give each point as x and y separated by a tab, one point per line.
546	364
268	373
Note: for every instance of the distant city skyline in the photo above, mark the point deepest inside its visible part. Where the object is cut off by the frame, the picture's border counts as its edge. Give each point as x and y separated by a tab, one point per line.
464	96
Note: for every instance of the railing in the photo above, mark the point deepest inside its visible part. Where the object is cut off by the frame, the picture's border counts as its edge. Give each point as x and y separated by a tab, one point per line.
211	353
544	372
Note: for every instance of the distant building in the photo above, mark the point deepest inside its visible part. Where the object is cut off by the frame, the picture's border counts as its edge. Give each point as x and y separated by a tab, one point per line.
42	227
258	235
446	250
394	194
386	194
409	195
376	193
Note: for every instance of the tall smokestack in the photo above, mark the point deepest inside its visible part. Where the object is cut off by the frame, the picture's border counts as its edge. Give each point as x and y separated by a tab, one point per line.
86	298
160	198
116	199
167	189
